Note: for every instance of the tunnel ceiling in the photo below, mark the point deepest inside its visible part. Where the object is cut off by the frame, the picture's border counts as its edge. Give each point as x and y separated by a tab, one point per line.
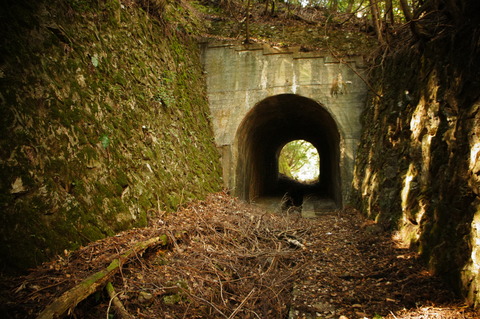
271	124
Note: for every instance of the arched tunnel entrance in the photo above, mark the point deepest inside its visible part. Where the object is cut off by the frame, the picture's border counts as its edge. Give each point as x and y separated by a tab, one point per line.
267	127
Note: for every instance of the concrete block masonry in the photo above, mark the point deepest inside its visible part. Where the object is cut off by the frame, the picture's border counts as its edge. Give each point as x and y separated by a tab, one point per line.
261	97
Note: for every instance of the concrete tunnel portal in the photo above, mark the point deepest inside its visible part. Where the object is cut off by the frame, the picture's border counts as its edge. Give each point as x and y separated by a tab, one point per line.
262	97
266	128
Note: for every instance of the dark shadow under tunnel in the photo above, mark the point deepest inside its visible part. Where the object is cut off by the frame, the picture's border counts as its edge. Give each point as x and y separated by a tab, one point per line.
268	126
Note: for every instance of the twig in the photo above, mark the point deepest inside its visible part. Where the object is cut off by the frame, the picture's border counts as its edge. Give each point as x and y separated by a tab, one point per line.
352	14
120	309
241	304
186	311
43	288
221	285
211	304
356	72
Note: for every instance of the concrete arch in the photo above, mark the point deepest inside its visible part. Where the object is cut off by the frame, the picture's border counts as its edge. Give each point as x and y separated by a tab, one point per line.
239	76
266	128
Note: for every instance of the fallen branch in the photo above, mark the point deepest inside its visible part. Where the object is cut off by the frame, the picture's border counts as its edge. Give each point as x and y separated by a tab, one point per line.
91	284
117	304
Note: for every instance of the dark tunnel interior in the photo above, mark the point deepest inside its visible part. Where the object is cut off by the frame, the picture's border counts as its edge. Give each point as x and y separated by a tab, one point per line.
271	124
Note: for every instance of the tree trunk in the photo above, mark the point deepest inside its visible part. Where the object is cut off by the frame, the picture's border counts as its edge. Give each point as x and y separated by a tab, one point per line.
406	10
350	6
377	23
247	24
334	5
454	10
389	18
272	11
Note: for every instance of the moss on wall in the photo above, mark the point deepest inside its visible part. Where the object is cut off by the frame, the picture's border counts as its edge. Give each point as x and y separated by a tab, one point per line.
103	118
418	168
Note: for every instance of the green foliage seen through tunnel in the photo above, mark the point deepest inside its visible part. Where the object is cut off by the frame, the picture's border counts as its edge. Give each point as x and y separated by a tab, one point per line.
299	160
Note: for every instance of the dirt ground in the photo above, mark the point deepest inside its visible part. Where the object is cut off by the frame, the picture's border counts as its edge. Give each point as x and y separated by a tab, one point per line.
227	259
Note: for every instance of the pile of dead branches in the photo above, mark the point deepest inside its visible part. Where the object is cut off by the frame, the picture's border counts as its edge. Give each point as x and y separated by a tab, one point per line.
216	258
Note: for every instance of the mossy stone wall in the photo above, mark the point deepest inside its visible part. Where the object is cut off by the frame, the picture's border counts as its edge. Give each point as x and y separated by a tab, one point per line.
103	121
418	165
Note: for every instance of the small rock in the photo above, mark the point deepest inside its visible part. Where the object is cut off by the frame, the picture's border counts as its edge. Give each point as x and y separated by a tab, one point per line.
17	186
145	297
323	307
172	299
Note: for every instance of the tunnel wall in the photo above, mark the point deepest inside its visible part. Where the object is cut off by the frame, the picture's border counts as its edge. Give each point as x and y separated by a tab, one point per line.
418	166
271	124
241	76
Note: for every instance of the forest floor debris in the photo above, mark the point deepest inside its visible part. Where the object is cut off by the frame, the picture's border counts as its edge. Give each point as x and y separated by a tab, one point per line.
310	28
227	259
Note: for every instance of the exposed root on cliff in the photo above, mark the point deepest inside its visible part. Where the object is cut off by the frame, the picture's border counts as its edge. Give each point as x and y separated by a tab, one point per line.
227	259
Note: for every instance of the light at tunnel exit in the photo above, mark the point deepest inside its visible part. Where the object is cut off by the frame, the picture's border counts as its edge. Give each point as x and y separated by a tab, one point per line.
270	125
300	160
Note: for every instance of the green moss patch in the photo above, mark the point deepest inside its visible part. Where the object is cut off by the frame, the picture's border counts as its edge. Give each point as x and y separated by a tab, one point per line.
103	110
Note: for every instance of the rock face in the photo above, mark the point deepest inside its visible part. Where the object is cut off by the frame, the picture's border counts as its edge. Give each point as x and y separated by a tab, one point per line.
262	97
104	121
418	165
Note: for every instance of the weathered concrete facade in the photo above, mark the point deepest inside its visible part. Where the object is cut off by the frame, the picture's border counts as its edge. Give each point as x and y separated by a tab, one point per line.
270	96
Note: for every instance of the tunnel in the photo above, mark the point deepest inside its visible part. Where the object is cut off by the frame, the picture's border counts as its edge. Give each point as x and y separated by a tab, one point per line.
267	127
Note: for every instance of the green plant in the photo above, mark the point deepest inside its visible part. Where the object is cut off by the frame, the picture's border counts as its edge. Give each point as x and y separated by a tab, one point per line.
164	97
